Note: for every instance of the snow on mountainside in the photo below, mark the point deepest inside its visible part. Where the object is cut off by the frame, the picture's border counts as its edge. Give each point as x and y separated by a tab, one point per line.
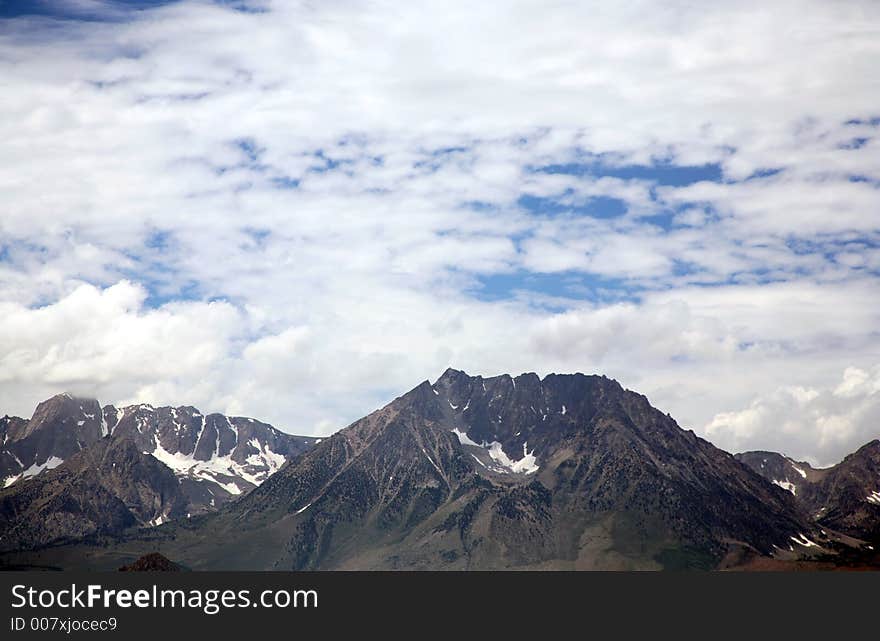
564	472
561	472
780	470
224	455
843	497
214	457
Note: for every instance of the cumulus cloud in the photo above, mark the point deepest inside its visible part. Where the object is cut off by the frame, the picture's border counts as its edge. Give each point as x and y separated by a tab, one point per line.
300	212
103	342
819	425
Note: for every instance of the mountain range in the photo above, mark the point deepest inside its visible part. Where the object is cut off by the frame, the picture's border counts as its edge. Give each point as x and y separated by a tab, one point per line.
76	468
844	497
564	472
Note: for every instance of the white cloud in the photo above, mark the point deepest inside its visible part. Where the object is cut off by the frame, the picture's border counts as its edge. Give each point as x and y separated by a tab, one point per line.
338	176
820	425
102	342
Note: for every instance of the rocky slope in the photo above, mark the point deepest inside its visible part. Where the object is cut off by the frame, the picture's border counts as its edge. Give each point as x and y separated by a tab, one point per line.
59	428
215	457
487	473
780	470
102	489
845	497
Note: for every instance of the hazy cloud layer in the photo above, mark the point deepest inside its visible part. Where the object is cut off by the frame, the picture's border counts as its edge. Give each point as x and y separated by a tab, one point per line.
301	210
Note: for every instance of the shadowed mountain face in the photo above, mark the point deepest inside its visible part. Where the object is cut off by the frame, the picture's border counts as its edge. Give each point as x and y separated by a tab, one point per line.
77	470
103	489
59	428
845	497
214	457
792	476
471	473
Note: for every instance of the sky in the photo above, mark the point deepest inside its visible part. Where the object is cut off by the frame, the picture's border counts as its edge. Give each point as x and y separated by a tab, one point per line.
299	210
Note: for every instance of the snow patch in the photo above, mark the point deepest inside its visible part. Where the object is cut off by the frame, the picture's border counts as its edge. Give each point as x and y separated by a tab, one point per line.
478	461
526	465
801	539
874	497
234	429
257	468
463	438
230	487
786	485
798	470
431	461
51	463
159	520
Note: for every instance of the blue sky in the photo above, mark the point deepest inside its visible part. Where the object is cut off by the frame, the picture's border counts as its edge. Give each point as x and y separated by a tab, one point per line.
75	9
296	211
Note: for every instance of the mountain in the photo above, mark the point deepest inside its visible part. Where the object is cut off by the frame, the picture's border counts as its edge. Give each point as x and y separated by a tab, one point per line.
59	428
844	497
102	489
214	457
780	470
565	472
151	563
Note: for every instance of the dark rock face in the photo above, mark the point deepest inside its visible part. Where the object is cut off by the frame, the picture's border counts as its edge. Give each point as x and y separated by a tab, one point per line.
565	472
103	489
59	428
845	497
215	457
10	465
76	470
154	562
792	476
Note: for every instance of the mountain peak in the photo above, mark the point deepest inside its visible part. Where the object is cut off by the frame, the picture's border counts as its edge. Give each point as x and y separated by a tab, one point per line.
214	457
450	375
570	471
493	472
869	448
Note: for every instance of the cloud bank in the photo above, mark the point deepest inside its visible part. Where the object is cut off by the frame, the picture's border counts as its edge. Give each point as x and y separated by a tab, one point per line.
298	211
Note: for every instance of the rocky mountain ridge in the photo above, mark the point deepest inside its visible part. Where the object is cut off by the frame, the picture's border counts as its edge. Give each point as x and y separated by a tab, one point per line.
62	468
227	455
565	472
844	497
470	472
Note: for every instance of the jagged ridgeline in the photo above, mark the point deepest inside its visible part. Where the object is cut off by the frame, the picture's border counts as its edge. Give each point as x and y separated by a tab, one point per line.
76	469
564	472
